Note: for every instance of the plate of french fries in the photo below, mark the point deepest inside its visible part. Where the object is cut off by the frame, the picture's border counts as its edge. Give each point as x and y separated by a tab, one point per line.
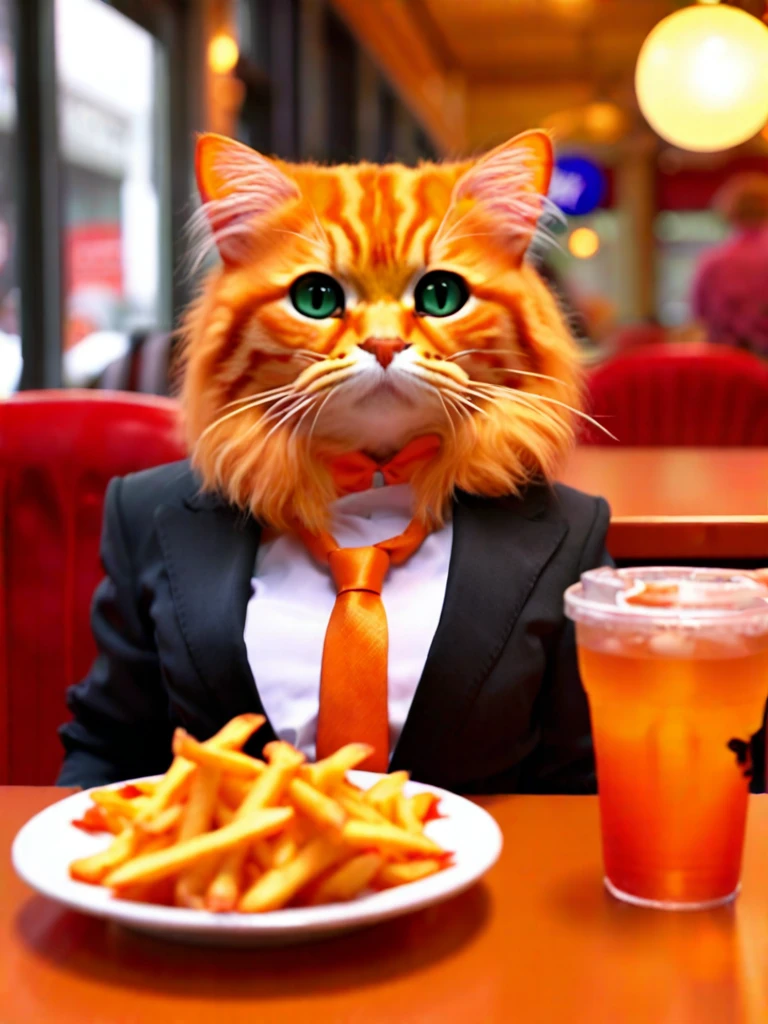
230	849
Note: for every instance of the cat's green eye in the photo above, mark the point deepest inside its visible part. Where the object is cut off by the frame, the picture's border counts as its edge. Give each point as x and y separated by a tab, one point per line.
317	296
440	293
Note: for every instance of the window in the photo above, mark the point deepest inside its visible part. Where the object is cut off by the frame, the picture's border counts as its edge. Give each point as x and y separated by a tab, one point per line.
682	238
112	126
341	64
10	348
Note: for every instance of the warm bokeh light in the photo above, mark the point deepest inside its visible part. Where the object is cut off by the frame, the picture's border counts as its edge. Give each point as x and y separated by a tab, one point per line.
572	6
605	122
584	243
702	78
223	54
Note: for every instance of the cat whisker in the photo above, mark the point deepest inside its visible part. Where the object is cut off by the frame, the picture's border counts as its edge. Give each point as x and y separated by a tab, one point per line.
513	395
243	408
297	407
260	396
293	440
314	242
481	351
503	369
447	414
325	401
469	404
529	373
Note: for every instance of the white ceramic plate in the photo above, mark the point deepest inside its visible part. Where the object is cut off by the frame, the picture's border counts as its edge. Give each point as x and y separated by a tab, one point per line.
45	846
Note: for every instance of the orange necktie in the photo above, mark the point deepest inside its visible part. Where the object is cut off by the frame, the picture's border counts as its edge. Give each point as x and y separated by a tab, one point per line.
353	678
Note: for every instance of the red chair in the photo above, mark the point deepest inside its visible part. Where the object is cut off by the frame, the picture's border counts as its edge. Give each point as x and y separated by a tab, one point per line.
58	451
685	394
633	336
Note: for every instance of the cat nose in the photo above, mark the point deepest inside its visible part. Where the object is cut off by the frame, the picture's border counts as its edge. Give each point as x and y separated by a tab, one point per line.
385	349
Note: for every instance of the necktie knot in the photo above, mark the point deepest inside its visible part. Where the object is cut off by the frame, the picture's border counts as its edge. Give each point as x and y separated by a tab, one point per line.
358	569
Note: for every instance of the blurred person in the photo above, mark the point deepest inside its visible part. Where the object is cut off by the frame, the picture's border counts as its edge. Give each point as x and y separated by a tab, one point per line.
730	288
367	542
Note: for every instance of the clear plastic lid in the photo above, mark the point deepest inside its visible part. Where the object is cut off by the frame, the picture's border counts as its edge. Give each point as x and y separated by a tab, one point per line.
669	598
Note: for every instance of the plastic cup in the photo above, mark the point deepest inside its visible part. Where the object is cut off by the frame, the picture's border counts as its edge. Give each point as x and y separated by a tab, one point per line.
675	666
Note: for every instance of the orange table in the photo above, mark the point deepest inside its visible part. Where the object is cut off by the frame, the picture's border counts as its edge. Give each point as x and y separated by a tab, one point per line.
679	503
538	942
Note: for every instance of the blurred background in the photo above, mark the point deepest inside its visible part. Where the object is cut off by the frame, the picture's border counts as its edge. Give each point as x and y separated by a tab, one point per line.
660	259
99	102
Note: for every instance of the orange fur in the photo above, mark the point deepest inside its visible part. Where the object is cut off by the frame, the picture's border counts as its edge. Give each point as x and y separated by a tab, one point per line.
375	229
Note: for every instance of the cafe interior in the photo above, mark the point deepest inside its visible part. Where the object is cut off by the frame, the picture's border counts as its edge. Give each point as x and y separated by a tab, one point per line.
652	243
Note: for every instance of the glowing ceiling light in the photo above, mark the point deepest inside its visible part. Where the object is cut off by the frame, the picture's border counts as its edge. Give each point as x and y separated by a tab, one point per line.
223	54
702	78
584	243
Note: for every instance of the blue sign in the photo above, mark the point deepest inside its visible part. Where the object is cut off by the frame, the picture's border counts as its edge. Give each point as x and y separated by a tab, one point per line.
578	185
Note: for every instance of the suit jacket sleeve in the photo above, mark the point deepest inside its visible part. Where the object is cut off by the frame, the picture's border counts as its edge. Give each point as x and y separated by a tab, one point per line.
120	727
563	761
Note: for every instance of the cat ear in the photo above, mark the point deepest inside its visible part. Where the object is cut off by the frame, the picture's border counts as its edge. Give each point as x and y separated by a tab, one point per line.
237	185
510	182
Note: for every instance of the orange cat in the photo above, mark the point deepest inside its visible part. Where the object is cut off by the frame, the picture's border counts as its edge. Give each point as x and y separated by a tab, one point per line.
358	307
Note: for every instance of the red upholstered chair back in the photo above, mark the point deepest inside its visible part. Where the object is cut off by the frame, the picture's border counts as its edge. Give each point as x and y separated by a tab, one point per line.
685	393
58	451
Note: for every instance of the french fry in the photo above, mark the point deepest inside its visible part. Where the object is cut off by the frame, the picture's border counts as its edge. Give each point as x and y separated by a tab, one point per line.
382	793
348	880
146	786
153	866
232	790
358	809
96	820
231	761
233	735
387	839
266	791
224	831
169	788
223	815
191	885
222	893
163	822
95	868
279	752
236	733
424	805
196	819
284	849
276	887
262	854
111	800
392	874
406	816
331	770
319	808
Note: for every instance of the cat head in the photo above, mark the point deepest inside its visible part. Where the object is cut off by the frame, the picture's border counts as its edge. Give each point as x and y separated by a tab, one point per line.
357	307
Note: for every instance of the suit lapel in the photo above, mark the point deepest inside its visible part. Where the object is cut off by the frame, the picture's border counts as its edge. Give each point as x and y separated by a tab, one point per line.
209	551
500	548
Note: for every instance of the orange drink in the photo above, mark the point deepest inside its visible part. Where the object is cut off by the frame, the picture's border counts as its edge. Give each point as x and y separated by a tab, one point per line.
675	665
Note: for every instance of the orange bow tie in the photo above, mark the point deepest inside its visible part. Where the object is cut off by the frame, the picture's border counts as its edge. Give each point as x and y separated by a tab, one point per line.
355	471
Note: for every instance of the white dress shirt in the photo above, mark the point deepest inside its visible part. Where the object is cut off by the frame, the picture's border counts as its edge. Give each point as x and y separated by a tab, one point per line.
293	597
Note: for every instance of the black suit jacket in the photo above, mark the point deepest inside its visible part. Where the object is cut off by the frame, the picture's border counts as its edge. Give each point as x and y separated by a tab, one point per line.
498	708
